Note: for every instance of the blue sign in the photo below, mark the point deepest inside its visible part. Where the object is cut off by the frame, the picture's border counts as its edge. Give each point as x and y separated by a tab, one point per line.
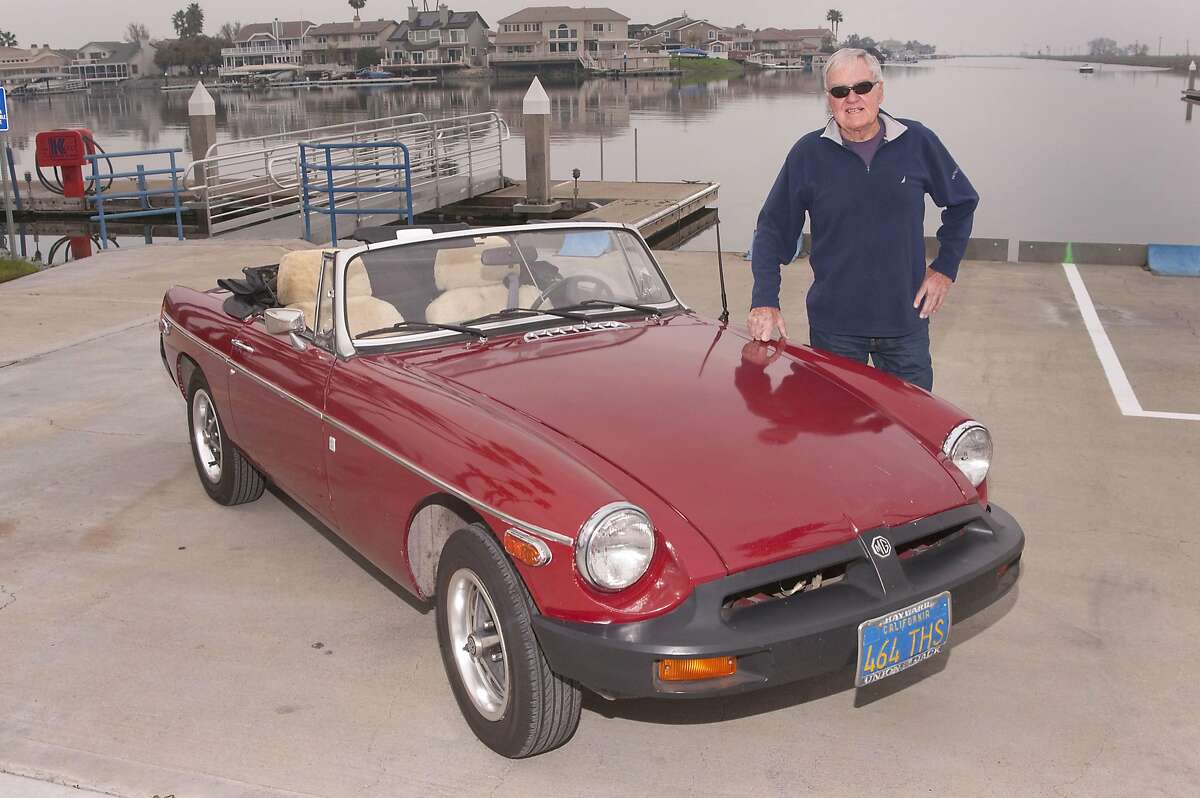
3	111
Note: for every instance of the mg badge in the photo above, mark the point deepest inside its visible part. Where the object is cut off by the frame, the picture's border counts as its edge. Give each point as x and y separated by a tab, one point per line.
881	546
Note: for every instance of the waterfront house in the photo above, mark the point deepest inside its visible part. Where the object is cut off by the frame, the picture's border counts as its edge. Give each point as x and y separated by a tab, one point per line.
265	47
794	44
19	65
345	46
440	40
562	33
114	62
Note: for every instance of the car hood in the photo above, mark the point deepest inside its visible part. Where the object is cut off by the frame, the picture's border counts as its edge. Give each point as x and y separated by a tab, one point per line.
767	462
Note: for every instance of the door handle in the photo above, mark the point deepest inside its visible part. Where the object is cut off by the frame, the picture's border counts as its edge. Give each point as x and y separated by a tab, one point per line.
242	345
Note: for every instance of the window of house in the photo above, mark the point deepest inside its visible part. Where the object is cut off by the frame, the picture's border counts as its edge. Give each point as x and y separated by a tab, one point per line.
458	36
417	36
597	27
712	34
435	36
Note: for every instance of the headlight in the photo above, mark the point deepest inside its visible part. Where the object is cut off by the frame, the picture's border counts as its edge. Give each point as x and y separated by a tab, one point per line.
615	546
969	446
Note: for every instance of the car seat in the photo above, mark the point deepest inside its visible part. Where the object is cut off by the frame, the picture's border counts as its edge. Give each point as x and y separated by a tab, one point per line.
469	288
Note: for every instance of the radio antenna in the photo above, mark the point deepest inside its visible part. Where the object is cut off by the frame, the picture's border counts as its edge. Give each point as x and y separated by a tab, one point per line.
724	317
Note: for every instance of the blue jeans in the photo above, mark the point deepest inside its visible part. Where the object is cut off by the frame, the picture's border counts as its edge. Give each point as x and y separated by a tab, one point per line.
906	357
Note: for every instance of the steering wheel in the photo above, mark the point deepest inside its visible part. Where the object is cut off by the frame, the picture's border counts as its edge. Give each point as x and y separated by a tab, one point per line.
598	289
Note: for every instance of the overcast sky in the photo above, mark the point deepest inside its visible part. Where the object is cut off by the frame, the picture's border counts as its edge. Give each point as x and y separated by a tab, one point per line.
953	25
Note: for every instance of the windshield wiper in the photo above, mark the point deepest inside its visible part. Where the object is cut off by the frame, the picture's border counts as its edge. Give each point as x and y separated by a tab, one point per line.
612	303
513	312
423	325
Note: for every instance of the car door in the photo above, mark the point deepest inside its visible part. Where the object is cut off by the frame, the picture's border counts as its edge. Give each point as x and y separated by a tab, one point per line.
277	395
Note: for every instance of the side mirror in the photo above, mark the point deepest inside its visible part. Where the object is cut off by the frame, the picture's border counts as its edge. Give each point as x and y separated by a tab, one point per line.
281	321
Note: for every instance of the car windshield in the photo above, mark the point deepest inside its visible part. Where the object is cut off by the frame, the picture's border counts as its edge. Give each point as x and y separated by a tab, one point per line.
475	279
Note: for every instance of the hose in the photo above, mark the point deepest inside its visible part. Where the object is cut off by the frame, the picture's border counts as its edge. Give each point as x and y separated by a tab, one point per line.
57	187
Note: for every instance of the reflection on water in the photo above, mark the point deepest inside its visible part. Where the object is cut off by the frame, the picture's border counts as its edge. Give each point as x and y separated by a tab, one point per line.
1055	155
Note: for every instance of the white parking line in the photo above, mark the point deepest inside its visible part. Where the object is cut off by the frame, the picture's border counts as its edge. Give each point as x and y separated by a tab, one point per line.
1122	391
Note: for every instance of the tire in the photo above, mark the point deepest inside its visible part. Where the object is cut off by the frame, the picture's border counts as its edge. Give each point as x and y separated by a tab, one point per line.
227	476
527	709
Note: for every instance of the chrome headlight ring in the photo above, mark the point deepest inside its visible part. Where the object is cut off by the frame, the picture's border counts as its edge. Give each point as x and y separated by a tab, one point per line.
615	546
969	447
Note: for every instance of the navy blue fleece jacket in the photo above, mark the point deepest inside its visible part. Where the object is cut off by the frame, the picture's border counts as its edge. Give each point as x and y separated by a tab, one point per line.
868	227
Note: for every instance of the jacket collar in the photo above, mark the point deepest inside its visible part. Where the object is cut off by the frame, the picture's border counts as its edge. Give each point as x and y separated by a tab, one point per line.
892	129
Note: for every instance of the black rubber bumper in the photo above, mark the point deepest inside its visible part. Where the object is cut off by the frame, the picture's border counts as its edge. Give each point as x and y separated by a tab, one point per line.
971	551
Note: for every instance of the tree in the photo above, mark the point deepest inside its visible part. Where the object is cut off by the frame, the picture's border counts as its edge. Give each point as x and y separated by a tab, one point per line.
366	57
357	5
835	18
1102	46
197	53
229	32
188	22
136	32
7	39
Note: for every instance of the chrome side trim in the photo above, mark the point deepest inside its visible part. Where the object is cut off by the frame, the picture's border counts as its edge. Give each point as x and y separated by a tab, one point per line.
533	529
451	489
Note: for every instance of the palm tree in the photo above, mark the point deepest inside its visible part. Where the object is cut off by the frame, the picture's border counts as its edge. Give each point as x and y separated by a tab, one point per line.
357	5
7	39
835	17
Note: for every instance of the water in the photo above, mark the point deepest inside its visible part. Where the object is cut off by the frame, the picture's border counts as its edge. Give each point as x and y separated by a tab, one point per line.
1055	155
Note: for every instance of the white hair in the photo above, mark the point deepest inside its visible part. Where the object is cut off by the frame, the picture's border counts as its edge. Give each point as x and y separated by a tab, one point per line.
845	56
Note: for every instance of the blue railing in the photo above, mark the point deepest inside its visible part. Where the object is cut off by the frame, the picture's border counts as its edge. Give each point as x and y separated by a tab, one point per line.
323	163
142	194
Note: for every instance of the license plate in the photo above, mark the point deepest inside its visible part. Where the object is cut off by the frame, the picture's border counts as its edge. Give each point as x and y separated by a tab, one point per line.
895	642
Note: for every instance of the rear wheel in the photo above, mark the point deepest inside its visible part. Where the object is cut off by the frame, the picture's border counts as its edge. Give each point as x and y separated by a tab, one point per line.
225	473
510	698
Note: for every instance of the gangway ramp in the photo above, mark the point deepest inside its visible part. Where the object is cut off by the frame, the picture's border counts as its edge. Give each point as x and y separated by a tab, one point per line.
250	188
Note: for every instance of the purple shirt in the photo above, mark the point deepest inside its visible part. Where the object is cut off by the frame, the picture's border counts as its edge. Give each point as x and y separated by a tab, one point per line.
866	149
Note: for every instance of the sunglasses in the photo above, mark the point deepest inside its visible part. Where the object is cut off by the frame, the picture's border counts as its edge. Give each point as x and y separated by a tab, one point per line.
842	92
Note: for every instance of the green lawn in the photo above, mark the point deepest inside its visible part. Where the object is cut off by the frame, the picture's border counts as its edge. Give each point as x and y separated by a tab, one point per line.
707	68
12	269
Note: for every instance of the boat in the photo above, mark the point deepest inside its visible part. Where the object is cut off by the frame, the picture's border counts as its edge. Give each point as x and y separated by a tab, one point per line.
1086	69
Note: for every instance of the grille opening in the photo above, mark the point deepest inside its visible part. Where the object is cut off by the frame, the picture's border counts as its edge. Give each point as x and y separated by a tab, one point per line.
784	588
921	545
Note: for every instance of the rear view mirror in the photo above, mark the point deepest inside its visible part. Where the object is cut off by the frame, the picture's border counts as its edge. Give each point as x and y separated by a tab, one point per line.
281	321
508	256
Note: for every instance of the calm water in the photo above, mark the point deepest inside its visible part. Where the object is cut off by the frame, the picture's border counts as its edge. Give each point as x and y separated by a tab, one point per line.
1054	154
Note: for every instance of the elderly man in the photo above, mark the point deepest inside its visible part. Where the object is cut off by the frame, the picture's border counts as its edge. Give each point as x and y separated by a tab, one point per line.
863	181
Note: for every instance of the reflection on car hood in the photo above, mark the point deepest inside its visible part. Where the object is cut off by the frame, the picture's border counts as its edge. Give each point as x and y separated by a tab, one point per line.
767	462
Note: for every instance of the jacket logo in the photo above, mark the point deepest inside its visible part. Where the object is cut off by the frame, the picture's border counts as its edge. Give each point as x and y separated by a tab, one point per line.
904	179
881	546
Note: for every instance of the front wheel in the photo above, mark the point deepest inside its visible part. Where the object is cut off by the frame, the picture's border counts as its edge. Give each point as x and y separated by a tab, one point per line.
510	698
226	474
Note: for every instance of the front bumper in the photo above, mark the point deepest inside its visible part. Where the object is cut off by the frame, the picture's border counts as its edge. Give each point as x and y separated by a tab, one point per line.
975	554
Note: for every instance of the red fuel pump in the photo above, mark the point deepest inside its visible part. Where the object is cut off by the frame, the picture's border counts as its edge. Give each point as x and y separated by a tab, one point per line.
65	150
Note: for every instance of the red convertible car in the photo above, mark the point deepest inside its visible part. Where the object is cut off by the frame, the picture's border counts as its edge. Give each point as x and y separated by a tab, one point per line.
599	488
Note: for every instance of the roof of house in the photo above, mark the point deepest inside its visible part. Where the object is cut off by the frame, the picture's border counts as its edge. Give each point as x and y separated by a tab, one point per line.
118	52
786	35
339	28
564	14
430	20
666	22
291	29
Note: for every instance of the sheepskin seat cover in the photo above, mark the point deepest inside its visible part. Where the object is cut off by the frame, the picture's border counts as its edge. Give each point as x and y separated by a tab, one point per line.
469	288
460	304
300	271
363	313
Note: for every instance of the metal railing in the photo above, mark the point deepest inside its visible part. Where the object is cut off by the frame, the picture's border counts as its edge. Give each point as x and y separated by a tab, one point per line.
248	181
325	166
104	182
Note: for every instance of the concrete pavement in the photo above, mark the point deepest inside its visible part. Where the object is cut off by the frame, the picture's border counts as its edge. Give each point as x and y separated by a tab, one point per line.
155	643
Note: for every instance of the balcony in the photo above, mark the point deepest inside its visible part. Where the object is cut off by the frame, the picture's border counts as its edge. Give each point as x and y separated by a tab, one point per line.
273	49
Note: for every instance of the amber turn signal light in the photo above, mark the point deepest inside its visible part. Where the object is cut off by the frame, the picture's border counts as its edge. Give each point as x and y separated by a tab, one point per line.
686	670
526	548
